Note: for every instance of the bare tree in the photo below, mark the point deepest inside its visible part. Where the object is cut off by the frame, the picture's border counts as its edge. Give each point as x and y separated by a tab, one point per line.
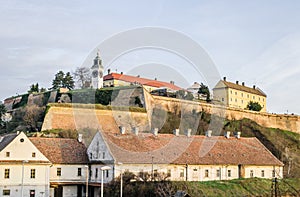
83	76
33	114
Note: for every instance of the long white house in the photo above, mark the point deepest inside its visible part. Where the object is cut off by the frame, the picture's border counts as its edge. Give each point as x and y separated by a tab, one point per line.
183	157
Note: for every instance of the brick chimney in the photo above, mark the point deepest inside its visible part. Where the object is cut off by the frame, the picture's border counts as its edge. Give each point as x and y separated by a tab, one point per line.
224	78
237	82
243	83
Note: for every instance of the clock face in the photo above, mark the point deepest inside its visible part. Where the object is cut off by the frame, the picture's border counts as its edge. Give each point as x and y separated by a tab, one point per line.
100	74
95	73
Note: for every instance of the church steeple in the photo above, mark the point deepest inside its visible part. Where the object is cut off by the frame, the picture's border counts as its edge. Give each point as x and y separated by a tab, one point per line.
97	72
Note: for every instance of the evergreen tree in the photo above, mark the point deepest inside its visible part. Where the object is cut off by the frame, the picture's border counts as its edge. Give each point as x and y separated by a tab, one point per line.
58	80
62	80
68	81
34	88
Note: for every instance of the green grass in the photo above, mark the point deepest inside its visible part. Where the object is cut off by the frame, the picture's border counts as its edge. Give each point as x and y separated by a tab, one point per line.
98	107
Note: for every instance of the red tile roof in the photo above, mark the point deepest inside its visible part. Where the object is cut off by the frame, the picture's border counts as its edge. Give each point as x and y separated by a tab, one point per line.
195	150
61	150
142	81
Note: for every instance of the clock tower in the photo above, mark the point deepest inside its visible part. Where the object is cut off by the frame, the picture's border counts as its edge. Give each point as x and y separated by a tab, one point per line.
97	73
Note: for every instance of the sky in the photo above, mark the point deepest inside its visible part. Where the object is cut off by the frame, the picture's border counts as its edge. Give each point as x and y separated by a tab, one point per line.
257	42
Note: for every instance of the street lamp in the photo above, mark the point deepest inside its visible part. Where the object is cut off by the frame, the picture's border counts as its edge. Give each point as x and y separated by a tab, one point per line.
22	184
102	169
121	179
87	181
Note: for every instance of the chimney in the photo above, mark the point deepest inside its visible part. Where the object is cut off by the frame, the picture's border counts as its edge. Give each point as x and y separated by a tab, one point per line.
238	134
121	73
208	133
176	132
122	130
188	132
227	134
224	78
155	131
243	83
253	86
155	79
136	130
79	137
108	71
138	76
237	82
18	132
172	82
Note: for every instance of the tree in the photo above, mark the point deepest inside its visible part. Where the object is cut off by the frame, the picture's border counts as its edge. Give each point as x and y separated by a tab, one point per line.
204	90
62	80
2	112
83	76
68	81
34	88
254	106
58	80
33	114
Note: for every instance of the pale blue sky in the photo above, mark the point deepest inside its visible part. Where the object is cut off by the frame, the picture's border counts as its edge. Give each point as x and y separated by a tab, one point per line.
257	42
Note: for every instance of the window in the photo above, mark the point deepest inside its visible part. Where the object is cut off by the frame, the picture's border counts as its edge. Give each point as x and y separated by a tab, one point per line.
7	154
96	173
103	155
235	100
251	173
262	173
155	173
222	99
218	173
242	94
242	101
107	173
22	140
181	172
206	173
79	172
169	173
32	193
228	173
259	98
254	97
6	173
6	192
235	93
247	95
230	91
32	173
273	173
33	154
58	171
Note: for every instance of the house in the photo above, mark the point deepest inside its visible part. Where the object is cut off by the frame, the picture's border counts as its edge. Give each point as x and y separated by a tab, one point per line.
24	169
238	95
69	169
194	90
116	79
182	157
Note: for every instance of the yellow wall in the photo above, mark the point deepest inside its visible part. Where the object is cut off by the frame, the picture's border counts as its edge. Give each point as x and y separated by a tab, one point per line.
237	98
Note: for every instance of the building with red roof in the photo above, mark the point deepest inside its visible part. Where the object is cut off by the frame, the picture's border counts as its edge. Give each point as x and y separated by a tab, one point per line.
117	79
